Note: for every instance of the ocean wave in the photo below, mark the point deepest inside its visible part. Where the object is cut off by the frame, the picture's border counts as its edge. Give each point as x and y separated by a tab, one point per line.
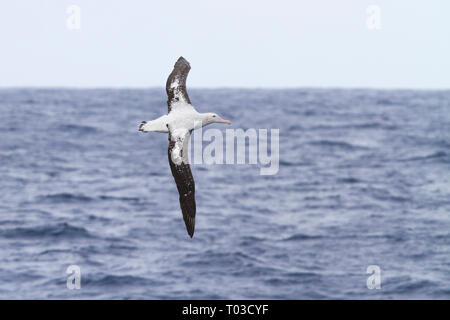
65	198
255	271
225	259
77	129
301	237
411	287
337	144
294	278
348	180
351	126
60	230
119	281
286	163
126	199
435	155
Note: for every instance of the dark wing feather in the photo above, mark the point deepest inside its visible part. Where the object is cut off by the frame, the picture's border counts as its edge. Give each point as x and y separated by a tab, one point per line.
176	83
186	188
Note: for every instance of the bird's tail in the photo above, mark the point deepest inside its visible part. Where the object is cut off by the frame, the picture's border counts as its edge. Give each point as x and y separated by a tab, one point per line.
142	126
158	125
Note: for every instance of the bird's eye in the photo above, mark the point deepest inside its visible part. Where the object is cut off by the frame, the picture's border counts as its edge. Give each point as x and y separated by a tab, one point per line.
214	116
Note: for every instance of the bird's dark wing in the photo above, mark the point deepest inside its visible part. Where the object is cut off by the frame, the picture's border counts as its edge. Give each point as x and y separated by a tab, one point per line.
181	171
176	84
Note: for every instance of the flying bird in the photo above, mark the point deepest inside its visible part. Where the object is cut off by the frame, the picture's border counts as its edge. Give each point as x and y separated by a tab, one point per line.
179	123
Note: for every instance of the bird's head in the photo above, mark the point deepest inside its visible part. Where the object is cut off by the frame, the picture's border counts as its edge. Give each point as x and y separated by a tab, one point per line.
214	118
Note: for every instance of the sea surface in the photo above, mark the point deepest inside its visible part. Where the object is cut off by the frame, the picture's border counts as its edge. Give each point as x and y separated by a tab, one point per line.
363	180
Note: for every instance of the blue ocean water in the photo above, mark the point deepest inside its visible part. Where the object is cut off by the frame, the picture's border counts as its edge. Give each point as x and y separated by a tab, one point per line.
364	179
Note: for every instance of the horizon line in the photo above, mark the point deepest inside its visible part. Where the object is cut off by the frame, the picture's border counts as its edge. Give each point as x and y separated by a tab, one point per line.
44	87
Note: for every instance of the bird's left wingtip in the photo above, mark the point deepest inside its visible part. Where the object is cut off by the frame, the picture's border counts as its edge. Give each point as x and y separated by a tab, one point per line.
182	60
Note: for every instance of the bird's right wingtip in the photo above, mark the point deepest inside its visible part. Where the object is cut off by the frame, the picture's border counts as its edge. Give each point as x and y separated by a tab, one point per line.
190	229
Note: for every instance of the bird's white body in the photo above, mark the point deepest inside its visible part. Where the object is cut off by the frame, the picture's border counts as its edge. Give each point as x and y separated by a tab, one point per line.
183	116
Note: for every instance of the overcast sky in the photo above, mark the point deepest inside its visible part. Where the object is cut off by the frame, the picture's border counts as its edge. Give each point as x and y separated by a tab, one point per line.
230	43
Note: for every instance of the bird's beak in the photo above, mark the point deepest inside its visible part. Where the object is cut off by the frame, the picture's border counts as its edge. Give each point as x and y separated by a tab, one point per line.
223	121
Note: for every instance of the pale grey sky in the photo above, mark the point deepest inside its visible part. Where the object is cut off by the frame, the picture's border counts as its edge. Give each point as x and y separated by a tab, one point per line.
232	43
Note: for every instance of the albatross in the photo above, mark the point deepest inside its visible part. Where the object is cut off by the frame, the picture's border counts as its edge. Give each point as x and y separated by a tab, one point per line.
179	123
